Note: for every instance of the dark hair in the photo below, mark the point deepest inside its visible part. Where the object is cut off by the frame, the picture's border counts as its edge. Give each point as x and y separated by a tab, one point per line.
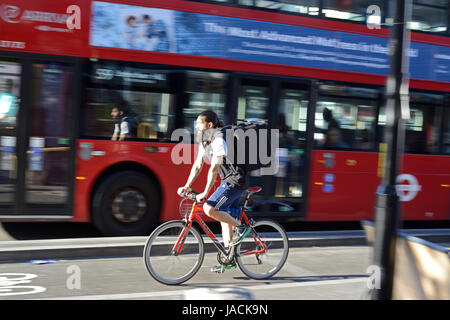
327	114
122	106
211	116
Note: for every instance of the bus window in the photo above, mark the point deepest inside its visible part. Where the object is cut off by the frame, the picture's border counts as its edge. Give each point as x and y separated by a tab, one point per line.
430	16
351	10
345	117
9	104
205	90
446	131
292	115
310	7
47	173
253	101
253	104
141	97
422	127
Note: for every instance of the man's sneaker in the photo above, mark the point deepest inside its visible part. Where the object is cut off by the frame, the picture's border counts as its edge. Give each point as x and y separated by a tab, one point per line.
240	232
221	268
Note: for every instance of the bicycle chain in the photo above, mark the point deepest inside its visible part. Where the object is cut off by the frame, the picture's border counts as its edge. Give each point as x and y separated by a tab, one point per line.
224	260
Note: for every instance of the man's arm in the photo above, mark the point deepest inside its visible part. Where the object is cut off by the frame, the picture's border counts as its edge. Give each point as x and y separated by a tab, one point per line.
196	167
212	173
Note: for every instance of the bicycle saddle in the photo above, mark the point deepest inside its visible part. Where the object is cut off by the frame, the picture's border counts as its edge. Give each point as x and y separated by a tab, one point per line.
254	189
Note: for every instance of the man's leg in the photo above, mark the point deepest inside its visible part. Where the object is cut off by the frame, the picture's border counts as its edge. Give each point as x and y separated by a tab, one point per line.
216	206
227	234
227	229
221	216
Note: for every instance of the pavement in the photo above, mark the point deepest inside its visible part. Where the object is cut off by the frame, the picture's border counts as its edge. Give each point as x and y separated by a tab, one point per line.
322	273
104	247
310	273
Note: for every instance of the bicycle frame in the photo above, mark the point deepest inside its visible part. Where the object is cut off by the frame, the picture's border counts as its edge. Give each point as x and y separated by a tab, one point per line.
195	216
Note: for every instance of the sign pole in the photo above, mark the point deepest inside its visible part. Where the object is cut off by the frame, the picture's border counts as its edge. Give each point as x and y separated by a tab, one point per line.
387	209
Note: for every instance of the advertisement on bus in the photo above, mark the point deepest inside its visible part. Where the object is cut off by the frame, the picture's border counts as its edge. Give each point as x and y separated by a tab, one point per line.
149	29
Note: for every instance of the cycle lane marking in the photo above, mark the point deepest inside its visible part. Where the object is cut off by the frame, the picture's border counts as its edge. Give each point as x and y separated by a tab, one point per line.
13	281
184	293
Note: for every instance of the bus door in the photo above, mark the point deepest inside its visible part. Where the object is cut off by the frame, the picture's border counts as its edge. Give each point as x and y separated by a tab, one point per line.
10	97
285	105
37	138
288	185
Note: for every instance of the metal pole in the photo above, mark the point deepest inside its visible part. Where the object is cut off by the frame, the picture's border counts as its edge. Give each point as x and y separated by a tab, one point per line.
387	209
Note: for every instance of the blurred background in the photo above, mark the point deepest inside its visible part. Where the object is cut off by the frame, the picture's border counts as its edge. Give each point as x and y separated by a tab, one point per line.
89	100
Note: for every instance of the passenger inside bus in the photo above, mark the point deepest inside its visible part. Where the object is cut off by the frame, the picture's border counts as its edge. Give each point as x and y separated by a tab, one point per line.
328	117
333	139
364	141
125	123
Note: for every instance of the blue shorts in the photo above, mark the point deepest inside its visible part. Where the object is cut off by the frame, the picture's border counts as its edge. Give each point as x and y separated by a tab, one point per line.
226	198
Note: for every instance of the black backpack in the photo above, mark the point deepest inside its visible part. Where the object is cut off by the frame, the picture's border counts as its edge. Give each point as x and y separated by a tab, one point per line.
243	149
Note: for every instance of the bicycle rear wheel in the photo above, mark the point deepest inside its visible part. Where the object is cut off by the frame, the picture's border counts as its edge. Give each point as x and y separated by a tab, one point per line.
264	251
164	265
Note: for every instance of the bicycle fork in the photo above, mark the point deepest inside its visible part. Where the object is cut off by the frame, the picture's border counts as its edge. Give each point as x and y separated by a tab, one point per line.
176	250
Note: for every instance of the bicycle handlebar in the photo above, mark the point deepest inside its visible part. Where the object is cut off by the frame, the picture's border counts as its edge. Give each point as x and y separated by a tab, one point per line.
190	195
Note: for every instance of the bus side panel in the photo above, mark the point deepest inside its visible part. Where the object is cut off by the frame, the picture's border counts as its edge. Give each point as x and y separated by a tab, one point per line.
442	203
342	185
157	157
96	156
424	187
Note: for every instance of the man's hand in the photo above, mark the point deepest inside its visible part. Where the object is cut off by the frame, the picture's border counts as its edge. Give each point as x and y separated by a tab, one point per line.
182	190
201	197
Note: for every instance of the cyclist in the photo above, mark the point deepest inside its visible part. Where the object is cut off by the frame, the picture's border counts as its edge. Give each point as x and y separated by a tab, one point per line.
225	199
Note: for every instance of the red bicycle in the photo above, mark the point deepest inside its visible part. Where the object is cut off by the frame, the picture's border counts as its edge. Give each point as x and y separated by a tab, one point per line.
174	252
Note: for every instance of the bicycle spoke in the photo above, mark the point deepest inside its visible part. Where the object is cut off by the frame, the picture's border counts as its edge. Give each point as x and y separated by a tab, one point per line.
167	267
260	262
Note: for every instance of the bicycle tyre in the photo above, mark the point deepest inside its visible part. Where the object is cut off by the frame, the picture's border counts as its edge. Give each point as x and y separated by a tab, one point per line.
264	265
166	267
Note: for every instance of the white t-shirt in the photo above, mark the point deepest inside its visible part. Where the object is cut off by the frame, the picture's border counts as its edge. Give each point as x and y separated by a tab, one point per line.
217	148
123	129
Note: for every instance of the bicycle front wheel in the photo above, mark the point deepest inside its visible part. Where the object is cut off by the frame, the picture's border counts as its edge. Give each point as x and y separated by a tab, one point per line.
162	259
264	251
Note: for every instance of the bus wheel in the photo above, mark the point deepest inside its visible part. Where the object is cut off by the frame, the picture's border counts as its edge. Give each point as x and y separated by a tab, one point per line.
126	203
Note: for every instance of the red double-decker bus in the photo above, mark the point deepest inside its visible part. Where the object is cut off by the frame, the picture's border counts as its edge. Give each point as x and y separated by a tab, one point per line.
314	69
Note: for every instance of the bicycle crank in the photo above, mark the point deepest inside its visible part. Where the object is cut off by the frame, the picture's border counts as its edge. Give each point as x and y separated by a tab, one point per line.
224	260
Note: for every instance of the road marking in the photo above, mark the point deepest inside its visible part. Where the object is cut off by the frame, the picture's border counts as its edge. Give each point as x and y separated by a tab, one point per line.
182	293
10	284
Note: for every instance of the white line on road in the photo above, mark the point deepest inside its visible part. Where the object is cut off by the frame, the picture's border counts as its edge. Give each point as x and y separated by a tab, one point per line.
182	293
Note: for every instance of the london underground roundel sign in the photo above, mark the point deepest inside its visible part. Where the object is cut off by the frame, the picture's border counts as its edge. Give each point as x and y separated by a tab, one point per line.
407	187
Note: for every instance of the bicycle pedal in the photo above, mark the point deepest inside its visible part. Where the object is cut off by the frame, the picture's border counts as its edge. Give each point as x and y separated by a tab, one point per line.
217	269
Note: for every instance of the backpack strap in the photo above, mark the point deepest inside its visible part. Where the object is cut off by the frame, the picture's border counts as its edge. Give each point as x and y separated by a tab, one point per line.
206	141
